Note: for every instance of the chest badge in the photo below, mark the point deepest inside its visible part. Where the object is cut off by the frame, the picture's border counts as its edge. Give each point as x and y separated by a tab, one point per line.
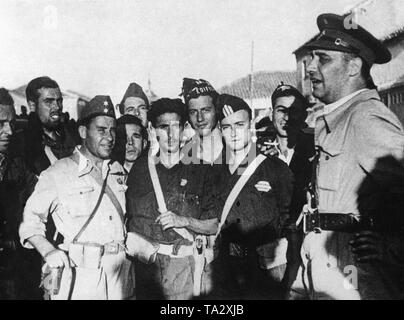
263	186
183	182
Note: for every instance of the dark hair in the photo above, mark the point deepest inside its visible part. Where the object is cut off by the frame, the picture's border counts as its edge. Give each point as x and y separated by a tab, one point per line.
6	98
167	105
34	85
365	70
130	119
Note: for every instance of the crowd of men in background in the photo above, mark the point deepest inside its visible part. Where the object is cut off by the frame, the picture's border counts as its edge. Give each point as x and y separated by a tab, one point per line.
134	208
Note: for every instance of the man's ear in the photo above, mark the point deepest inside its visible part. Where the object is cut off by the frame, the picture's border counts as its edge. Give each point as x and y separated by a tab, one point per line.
144	143
32	106
355	66
83	132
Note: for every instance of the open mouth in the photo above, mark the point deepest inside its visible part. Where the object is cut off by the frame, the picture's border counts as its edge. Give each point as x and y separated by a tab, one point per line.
55	115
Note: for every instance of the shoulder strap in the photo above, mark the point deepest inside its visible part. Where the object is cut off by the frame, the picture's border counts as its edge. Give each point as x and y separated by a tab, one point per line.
51	157
97	205
237	189
104	189
160	197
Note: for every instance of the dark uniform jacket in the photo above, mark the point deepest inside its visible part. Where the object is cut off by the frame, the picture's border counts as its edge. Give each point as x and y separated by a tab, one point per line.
188	191
19	269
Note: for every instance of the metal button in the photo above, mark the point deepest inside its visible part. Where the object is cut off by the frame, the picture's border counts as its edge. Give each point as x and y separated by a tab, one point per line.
327	158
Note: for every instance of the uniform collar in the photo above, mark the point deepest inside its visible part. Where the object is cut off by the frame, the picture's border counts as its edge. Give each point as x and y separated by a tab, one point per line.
331	119
85	165
335	105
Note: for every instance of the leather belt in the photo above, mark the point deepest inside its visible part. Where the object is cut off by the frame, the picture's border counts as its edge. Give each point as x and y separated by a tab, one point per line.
168	249
343	222
113	248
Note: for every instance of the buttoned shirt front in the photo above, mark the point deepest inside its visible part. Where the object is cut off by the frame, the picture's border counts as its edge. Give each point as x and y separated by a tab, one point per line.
352	139
68	192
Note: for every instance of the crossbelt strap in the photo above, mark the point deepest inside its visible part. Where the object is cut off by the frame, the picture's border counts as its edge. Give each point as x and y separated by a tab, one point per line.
237	189
51	157
104	189
160	198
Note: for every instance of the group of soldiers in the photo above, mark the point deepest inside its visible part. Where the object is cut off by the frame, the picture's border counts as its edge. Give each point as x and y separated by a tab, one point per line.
135	208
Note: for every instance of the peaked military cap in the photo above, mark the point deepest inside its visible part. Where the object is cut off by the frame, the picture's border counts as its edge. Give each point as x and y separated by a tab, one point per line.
193	88
337	33
228	104
98	106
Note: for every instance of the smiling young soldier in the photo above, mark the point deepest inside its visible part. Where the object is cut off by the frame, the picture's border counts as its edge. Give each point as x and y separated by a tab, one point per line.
254	209
170	203
354	136
131	141
200	98
296	148
85	194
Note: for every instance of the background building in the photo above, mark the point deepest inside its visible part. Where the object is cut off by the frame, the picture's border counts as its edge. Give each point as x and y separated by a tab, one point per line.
256	90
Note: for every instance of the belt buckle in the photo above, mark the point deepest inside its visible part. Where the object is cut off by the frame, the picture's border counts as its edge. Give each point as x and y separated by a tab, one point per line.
312	221
112	248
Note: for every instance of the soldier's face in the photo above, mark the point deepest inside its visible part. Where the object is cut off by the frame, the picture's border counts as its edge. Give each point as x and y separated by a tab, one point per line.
236	130
202	115
7	119
280	114
328	71
136	107
50	106
99	136
169	132
134	143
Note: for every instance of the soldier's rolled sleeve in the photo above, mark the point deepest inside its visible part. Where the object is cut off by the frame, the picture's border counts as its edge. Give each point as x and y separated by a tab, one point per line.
39	205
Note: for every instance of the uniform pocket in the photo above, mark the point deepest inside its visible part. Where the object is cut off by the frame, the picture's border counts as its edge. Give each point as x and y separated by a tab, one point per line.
329	169
78	200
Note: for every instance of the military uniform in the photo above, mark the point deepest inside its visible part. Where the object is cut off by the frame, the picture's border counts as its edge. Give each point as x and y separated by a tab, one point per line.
19	268
255	220
188	191
360	147
68	191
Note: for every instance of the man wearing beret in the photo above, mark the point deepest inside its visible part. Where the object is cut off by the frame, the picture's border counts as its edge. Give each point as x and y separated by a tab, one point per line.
295	146
135	103
254	211
85	194
360	145
200	98
171	203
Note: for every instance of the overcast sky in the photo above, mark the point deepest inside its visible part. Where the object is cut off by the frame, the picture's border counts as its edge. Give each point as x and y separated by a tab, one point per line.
99	46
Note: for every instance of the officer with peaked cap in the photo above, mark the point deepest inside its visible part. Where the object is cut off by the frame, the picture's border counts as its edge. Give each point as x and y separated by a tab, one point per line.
354	135
85	194
253	216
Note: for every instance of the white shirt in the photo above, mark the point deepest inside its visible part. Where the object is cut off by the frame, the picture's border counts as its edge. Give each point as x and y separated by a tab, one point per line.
333	106
289	156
